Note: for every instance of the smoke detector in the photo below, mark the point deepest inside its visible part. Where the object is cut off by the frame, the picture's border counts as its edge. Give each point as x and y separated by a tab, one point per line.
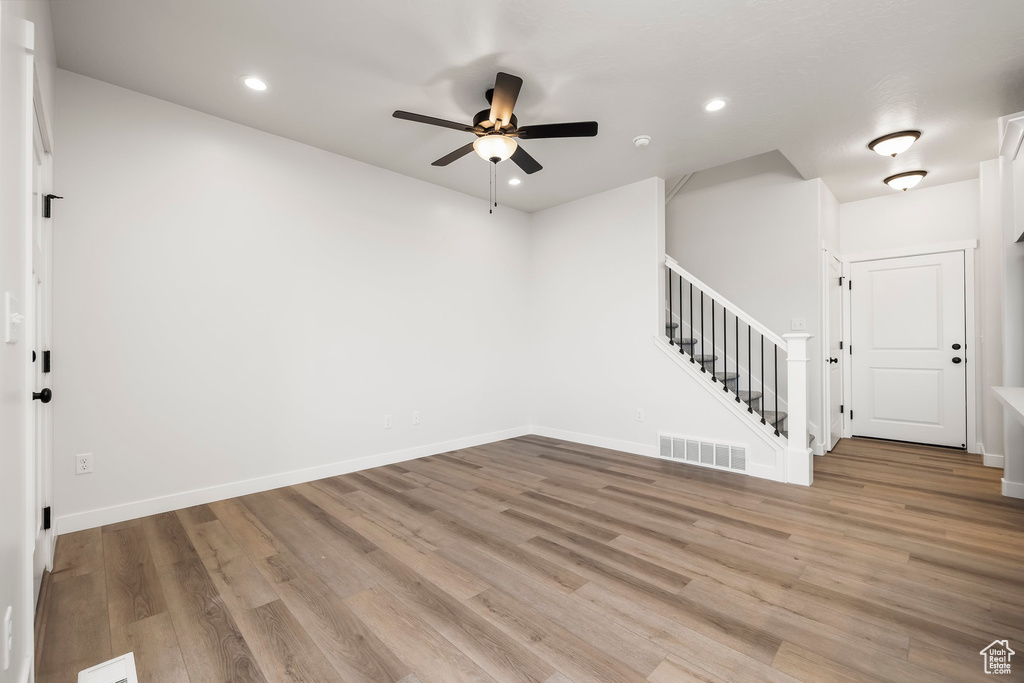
641	141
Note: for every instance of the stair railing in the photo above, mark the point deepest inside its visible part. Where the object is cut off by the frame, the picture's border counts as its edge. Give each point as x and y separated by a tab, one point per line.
686	299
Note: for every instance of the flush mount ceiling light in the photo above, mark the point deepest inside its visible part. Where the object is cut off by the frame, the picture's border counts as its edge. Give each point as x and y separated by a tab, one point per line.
905	181
494	147
641	141
894	143
254	83
716	104
514	181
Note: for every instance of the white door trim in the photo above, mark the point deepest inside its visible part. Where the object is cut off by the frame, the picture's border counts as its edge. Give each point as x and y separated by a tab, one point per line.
968	248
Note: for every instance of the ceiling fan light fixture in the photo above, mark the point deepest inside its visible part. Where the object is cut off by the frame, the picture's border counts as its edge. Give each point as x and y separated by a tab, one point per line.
894	143
494	147
905	181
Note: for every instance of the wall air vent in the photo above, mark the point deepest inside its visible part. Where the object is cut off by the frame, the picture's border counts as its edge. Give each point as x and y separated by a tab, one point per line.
708	453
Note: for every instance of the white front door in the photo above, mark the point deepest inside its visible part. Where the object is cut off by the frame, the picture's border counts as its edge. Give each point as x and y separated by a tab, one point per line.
909	349
834	364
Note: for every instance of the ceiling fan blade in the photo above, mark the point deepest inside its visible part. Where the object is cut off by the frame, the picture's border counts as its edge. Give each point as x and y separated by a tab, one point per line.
420	118
525	161
503	100
454	156
580	129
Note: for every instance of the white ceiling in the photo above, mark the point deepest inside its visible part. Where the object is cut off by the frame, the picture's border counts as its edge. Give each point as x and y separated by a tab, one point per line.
816	79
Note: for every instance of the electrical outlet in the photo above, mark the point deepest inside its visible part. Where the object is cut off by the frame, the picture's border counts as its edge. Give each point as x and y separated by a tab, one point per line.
83	463
639	414
416	417
387	422
798	324
8	636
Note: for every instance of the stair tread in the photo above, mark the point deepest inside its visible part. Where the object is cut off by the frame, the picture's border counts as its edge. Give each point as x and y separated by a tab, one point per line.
704	359
750	395
771	417
688	341
726	376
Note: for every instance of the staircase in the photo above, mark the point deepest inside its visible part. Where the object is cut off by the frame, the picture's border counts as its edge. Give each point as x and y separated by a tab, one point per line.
764	374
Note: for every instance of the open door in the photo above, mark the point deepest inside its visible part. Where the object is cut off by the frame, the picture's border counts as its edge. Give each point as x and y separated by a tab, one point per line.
834	359
38	338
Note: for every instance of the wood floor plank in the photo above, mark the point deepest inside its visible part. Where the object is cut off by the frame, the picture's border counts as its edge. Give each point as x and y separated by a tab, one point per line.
133	588
537	560
154	645
351	648
211	644
432	658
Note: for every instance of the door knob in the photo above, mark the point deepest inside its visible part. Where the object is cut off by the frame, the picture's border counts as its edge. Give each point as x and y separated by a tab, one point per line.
45	395
956	347
833	360
956	359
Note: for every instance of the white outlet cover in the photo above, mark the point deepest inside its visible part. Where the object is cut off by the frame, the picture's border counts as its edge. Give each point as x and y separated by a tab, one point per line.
798	324
387	422
416	417
639	415
80	470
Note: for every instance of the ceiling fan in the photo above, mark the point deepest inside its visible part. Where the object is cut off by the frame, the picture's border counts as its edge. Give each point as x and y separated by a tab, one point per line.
497	128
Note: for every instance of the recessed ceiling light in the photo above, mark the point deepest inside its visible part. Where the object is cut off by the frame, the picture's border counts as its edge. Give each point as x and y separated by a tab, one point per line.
514	181
894	143
905	181
716	104
254	83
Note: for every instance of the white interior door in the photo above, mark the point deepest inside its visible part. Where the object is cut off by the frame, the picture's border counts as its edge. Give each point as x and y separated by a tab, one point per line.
834	365
909	349
39	337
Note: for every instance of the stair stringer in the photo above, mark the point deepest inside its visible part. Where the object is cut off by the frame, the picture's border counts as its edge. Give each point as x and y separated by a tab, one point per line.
778	444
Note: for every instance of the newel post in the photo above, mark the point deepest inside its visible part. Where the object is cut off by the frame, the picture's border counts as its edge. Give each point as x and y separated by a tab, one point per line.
799	457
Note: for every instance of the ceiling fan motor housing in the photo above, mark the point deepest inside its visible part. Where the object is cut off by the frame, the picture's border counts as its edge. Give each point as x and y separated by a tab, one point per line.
483	119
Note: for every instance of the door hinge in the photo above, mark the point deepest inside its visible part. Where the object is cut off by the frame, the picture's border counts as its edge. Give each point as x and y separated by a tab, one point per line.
849	284
46	517
46	361
840	346
840	280
46	204
851	349
841	408
851	414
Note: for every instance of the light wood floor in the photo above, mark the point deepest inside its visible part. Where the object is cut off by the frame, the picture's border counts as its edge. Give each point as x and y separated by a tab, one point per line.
538	560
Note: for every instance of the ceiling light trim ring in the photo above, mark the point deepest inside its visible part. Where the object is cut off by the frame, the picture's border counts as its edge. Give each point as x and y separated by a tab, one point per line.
915	134
919	175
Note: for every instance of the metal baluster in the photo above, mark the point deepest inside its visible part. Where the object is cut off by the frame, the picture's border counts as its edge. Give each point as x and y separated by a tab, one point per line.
750	376
738	358
714	377
763	385
693	347
668	323
776	391
681	315
703	368
725	349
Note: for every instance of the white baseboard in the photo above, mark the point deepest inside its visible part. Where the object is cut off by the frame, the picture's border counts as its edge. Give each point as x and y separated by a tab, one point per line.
989	459
1013	489
599	441
142	508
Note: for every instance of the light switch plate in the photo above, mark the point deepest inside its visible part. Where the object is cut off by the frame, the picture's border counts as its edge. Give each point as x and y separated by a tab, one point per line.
798	324
13	319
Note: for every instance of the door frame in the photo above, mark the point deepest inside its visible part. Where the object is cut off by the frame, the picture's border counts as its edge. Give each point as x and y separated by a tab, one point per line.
968	248
826	344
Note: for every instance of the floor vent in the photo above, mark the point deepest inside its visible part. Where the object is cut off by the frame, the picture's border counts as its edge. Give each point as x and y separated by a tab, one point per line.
719	455
119	670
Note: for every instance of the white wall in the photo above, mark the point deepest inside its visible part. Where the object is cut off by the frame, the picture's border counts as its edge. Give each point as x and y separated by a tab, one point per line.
752	230
596	267
231	305
17	490
930	215
991	289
